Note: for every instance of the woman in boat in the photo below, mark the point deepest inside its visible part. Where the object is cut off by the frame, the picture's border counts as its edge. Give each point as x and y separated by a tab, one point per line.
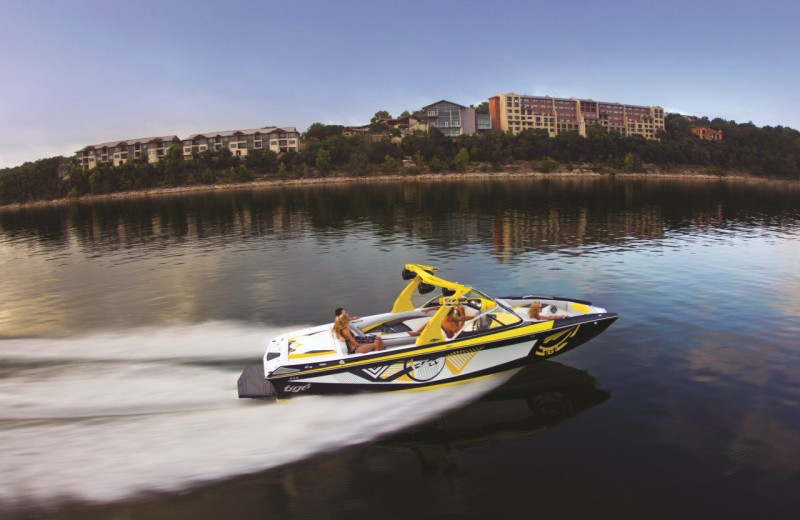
535	313
355	344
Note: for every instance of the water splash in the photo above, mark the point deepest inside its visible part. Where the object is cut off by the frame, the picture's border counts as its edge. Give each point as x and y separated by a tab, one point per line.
105	417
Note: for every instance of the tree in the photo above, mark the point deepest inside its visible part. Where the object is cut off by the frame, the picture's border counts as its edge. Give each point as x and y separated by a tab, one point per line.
358	164
436	165
482	108
173	166
549	165
380	115
632	163
461	161
320	131
390	165
323	162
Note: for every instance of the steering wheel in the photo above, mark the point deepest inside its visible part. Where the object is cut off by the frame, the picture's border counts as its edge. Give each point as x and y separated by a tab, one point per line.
475	303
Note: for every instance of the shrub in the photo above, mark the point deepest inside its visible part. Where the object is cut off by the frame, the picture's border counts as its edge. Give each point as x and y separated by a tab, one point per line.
549	165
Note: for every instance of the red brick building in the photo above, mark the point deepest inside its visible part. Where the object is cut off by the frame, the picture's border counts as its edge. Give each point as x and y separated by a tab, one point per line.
707	134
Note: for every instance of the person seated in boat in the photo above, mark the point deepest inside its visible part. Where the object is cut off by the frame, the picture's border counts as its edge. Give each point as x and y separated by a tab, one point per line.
355	344
340	310
535	311
455	319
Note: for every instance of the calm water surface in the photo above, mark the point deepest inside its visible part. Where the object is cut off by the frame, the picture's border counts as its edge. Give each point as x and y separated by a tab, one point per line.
124	325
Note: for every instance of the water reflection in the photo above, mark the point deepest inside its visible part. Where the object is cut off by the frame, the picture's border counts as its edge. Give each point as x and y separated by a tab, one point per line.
512	216
539	397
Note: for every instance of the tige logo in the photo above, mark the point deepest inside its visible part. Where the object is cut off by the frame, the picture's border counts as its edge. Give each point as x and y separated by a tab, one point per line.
296	388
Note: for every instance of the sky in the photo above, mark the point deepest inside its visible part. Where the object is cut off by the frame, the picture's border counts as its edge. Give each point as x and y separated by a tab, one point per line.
75	73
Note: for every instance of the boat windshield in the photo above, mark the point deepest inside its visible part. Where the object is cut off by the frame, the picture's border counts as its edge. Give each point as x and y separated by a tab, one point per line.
474	298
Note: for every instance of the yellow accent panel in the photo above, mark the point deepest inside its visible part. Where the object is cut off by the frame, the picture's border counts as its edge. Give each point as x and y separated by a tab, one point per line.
403	302
423	272
433	332
404	378
581	308
457	362
312	354
549	351
392	370
506	318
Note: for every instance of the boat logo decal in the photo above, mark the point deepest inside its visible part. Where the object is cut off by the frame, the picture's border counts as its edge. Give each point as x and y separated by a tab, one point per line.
425	369
296	388
562	338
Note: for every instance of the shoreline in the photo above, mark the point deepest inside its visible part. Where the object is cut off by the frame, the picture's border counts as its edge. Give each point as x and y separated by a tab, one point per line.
425	177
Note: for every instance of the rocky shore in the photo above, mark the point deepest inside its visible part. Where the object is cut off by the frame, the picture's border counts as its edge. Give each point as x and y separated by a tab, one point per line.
687	174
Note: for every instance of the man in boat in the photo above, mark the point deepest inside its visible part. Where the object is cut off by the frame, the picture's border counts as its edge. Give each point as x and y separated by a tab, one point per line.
452	323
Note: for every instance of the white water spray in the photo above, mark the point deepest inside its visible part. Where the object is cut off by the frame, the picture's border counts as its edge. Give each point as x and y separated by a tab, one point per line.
109	416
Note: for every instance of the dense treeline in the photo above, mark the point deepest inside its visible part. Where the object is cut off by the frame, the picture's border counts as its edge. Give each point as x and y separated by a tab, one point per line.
768	151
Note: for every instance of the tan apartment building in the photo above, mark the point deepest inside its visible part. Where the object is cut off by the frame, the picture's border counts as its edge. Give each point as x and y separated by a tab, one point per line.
117	152
515	113
240	142
707	134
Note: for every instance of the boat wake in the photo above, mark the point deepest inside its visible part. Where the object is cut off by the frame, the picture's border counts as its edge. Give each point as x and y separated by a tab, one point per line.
109	416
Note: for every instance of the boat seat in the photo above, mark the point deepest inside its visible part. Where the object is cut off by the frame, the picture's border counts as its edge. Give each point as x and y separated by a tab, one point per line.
398	339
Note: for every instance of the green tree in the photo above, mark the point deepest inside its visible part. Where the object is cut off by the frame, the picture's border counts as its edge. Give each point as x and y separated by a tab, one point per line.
173	166
77	181
461	161
358	164
323	163
436	165
380	115
320	131
390	165
549	165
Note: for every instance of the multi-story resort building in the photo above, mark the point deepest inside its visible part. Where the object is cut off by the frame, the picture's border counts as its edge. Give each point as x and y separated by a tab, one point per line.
454	119
707	134
276	139
117	152
515	113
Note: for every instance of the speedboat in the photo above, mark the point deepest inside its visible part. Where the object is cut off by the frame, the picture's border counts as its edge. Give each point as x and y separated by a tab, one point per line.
498	336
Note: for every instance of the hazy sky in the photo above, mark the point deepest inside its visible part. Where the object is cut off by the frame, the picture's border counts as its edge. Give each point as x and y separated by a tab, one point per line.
74	73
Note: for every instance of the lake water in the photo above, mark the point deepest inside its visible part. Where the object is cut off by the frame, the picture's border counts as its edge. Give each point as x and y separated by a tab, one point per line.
124	326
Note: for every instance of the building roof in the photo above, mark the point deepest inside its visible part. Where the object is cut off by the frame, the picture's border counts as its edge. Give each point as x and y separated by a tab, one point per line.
443	101
229	133
128	142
